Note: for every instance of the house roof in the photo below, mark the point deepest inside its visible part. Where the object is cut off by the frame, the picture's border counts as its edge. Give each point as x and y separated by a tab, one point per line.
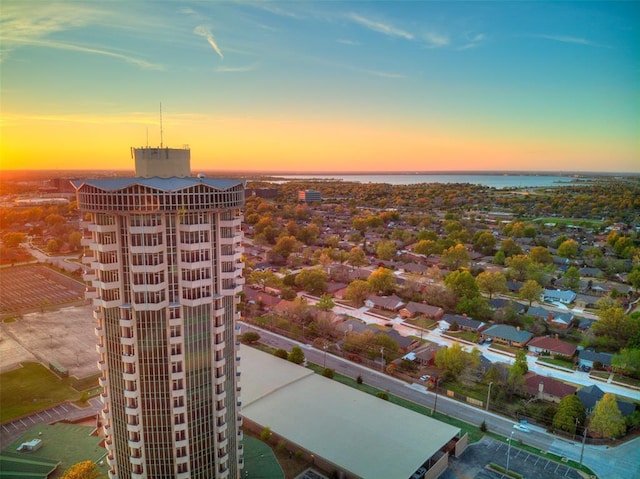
591	355
423	308
559	295
553	345
463	321
387	302
549	385
508	333
502	303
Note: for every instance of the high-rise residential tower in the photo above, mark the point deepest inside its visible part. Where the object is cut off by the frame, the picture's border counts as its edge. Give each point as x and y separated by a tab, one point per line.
164	266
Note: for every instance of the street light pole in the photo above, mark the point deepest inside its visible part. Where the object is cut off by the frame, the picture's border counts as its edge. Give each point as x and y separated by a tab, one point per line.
382	357
509	450
489	394
435	403
584	438
324	364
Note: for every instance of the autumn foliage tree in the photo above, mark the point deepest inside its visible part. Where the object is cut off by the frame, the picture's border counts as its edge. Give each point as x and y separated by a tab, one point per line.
606	419
83	470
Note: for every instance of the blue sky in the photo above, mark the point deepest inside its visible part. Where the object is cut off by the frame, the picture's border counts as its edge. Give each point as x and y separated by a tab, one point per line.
324	86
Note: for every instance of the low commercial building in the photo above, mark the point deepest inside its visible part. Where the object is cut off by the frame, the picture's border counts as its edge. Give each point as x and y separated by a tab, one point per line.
324	419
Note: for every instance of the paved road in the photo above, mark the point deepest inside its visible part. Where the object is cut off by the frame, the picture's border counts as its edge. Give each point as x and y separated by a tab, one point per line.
620	462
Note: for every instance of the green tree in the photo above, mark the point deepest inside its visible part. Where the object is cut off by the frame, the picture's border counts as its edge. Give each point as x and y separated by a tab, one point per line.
453	360
53	245
627	361
357	292
462	284
571	278
634	277
515	379
382	281
313	280
540	254
263	279
83	470
492	283
518	266
615	324
357	257
510	248
13	240
426	247
530	291
285	246
250	337
456	257
606	420
484	242
568	249
325	303
386	250
281	353
569	409
296	355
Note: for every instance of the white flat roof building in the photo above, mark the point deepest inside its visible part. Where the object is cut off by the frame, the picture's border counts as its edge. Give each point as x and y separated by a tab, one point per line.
360	434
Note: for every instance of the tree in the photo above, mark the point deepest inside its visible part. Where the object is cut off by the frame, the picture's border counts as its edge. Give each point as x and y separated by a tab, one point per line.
426	247
492	283
571	279
456	257
634	277
325	303
83	470
510	248
357	257
540	254
606	420
453	360
382	280
517	370
484	242
568	249
462	284
569	409
250	337
627	361
285	246
357	292
263	279
13	240
518	266
313	280
386	250
281	353
615	324
530	291
296	355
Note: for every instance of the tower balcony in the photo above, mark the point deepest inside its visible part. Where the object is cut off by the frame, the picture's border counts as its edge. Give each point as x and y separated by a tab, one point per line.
219	329
127	341
196	302
129	358
152	306
232	223
88	258
132	410
114	303
102	228
136	460
90	293
153	287
131	394
109	285
104	248
220	379
105	266
97	314
89	276
103	382
198	227
148	268
126	323
159	248
146	229
102	365
233	241
130	376
194	246
218	312
100	349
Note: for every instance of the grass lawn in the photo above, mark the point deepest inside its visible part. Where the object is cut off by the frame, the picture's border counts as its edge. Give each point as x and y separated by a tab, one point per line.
477	390
466	335
626	380
503	347
422	322
30	389
557	362
600	374
586	222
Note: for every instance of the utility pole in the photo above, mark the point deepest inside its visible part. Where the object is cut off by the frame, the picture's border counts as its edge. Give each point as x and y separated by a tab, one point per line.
382	358
584	438
489	395
435	403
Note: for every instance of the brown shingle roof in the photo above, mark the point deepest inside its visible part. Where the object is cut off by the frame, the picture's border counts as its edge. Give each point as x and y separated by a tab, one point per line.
553	345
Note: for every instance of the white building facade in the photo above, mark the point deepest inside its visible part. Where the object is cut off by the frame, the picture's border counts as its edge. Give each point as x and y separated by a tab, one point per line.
164	263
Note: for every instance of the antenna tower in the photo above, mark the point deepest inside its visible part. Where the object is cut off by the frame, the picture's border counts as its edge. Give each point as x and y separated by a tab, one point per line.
160	124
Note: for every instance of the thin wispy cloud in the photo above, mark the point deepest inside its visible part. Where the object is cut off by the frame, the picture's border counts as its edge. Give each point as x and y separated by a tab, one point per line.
436	40
243	69
204	31
473	42
347	42
380	27
568	39
381	74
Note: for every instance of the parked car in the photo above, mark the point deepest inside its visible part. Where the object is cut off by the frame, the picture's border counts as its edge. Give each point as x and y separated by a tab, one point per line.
426	377
522	427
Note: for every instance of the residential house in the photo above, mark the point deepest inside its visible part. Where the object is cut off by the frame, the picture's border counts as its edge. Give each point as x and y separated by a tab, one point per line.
546	388
388	303
556	318
415	268
425	355
413	309
588	357
552	346
514	286
558	296
590	395
463	321
505	334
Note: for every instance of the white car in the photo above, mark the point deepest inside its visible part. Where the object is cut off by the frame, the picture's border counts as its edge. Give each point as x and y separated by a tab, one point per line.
522	427
425	377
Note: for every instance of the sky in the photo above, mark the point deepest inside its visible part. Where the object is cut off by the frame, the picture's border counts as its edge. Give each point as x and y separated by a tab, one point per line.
326	86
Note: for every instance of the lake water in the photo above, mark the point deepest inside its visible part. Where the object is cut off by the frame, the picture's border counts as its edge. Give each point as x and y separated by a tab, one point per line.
494	181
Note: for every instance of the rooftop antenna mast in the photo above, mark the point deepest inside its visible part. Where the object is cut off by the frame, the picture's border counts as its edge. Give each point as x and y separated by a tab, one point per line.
160	124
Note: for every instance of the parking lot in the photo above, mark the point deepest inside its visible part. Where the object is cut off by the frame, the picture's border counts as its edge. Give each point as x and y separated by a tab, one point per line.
472	464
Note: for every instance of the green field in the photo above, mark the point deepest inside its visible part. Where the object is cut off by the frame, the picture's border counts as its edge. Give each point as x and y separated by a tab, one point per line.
584	222
32	388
